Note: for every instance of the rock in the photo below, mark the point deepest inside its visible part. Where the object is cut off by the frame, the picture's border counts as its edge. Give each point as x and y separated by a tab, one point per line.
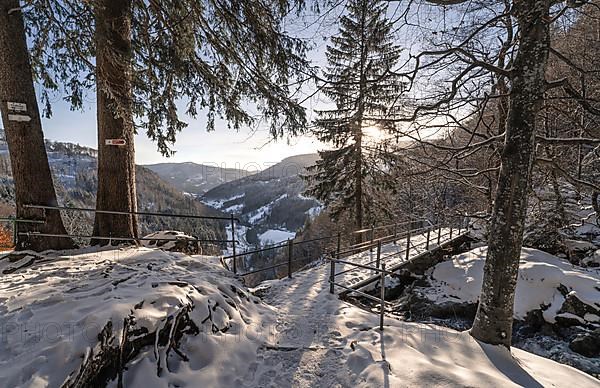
568	320
173	241
578	250
587	344
420	307
261	290
592	260
533	323
453	310
573	306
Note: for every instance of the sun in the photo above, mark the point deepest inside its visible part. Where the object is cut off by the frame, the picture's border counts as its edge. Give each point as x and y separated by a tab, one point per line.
373	132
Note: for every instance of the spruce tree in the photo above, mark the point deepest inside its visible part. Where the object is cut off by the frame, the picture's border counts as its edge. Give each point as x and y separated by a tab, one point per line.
361	84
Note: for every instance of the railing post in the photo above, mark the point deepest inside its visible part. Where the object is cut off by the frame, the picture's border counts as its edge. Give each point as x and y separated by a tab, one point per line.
372	237
15	233
439	235
378	254
408	244
332	277
395	232
428	234
450	232
290	253
233	244
382	296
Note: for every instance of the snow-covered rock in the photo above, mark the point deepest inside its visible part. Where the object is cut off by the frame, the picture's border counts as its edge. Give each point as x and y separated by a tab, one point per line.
545	282
172	240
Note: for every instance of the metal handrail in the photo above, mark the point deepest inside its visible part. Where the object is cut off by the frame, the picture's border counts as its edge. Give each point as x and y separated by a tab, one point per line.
83	209
360	293
189	238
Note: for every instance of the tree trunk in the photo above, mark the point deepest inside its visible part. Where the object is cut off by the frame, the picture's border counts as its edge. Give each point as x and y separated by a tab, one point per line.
30	169
358	188
116	164
494	318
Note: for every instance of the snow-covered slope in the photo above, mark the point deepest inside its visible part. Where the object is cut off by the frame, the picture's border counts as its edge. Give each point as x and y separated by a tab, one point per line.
54	308
545	282
270	203
323	342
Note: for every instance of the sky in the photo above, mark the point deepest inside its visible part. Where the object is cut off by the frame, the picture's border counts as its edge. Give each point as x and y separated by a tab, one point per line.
224	147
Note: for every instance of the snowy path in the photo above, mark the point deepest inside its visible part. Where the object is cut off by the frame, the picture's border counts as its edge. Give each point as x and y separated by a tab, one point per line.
322	341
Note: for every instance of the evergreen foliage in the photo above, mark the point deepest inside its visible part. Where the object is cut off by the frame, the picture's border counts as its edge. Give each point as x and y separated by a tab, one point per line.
222	57
361	84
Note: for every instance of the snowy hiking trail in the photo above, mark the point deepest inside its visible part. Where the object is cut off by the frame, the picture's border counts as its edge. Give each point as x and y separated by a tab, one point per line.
322	341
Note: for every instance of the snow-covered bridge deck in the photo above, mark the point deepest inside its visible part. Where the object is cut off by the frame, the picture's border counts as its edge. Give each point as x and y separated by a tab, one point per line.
359	269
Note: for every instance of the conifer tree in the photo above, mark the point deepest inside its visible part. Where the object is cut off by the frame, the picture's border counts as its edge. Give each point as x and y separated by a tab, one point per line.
361	84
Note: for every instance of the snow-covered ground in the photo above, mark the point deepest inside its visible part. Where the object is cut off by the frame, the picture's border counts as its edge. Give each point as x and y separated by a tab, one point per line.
300	335
53	310
275	236
325	342
544	282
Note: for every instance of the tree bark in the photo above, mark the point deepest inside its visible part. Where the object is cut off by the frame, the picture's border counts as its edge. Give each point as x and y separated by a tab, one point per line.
494	318
116	164
29	161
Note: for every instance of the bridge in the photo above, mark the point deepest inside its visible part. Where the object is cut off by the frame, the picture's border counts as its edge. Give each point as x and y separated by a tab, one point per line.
354	270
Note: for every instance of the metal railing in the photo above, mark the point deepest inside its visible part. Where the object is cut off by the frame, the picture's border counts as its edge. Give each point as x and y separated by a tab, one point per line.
290	244
343	257
195	239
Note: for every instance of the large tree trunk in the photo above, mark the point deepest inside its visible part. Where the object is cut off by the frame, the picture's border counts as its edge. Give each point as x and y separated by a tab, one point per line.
493	322
116	164
29	162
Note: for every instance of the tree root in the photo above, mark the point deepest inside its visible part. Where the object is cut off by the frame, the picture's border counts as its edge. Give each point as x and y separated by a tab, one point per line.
109	358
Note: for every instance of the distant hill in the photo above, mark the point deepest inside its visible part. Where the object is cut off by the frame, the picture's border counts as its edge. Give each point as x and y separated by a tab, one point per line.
194	178
270	204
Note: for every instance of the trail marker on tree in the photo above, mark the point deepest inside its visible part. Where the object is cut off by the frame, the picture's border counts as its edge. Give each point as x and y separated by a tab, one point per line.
22	118
17	106
115	142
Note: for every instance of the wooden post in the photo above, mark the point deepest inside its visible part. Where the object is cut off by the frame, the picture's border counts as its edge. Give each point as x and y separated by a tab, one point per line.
290	253
428	234
378	254
450	232
332	277
233	244
382	296
439	235
408	244
395	232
